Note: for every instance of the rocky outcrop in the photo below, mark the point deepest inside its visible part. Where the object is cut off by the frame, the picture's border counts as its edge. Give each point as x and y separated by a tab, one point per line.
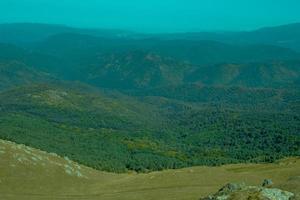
267	183
240	191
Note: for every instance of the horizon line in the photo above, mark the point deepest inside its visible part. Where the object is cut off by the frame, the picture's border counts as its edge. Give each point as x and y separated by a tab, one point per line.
146	32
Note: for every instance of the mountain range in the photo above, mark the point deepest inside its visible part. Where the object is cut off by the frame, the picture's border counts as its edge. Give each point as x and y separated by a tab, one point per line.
122	101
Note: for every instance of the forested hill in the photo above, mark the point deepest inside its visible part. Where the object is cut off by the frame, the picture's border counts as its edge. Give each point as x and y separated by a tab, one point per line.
119	101
116	133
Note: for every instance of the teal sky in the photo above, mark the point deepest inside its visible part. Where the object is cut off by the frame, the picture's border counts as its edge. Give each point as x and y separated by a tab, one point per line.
154	15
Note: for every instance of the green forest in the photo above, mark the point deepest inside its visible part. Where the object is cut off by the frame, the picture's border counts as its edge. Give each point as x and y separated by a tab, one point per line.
149	102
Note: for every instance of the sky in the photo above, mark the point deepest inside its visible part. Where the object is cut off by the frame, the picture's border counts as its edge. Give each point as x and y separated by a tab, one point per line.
154	15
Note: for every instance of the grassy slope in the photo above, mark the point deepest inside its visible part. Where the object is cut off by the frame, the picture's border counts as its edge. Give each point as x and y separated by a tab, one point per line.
32	174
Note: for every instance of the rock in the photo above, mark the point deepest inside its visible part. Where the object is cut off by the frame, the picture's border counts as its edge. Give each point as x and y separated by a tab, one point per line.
267	183
276	194
231	187
240	191
210	197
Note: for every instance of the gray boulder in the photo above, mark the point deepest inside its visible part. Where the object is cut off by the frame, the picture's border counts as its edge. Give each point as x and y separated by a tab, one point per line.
231	187
267	183
240	191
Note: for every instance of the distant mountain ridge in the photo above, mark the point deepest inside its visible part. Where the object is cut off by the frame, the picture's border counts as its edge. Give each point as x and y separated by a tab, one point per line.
284	35
24	33
130	67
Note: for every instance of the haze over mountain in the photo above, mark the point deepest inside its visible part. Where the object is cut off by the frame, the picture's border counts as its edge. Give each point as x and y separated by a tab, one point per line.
154	15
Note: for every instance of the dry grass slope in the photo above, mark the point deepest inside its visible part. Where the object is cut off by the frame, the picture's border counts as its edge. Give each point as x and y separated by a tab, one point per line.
27	173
